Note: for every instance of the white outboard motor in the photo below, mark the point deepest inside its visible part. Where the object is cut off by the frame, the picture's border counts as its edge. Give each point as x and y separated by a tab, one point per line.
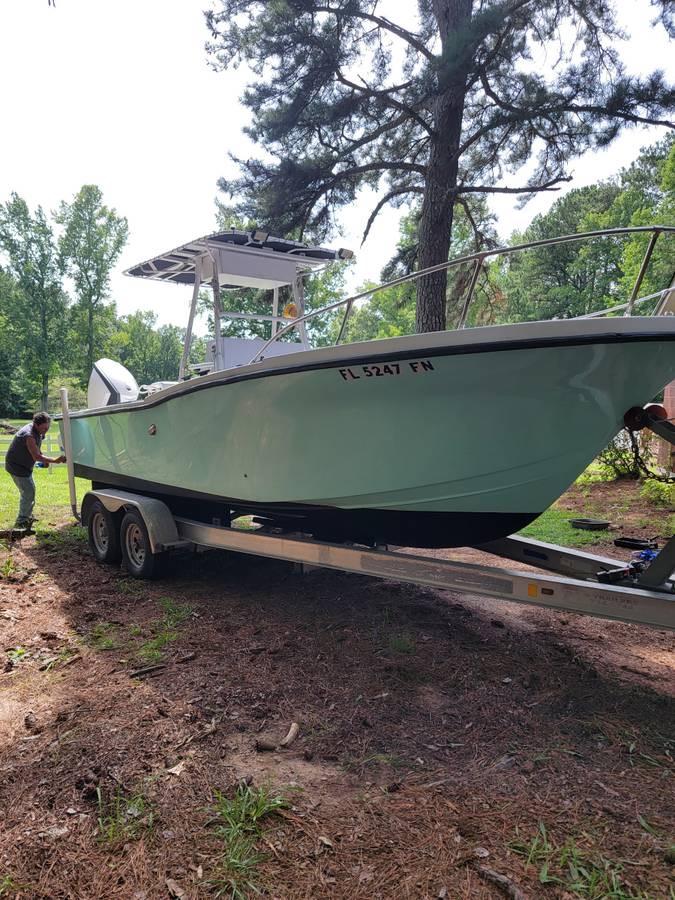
110	383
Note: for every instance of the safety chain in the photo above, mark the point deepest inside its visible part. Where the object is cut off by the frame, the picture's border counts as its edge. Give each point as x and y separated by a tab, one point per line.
642	466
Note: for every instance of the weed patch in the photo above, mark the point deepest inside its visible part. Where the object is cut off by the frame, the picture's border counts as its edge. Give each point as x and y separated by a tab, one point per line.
401	643
574	869
8	568
103	637
70	538
122	819
8	887
165	632
239	826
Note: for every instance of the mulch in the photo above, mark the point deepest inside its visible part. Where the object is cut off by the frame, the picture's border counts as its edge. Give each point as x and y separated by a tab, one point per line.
438	733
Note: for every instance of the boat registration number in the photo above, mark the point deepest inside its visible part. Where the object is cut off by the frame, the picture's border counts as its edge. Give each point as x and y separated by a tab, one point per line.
380	370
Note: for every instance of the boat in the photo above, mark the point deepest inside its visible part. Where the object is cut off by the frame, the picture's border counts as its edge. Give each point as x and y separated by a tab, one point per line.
443	439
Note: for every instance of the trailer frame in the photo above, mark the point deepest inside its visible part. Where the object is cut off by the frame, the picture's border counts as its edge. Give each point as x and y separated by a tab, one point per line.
582	582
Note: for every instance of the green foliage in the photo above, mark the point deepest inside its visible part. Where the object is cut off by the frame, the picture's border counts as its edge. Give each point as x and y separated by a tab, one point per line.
33	304
92	239
658	492
8	567
586	875
575	279
238	826
617	459
77	395
175	614
122	819
452	101
103	637
9	887
150	354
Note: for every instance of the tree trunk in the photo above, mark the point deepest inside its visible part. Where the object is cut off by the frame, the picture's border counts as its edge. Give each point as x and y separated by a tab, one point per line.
437	205
44	399
90	339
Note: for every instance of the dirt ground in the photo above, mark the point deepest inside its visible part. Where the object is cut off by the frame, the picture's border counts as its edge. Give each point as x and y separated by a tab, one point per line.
449	746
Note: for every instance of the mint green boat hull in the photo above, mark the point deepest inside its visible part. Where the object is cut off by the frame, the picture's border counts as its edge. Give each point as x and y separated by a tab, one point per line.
422	444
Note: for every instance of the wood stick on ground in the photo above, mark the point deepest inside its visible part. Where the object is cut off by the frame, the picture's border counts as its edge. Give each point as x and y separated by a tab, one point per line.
148	670
505	884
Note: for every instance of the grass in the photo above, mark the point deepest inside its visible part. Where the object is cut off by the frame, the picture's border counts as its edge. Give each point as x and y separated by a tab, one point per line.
401	643
52	498
238	826
553	527
165	631
103	637
8	887
574	869
8	568
106	636
122	819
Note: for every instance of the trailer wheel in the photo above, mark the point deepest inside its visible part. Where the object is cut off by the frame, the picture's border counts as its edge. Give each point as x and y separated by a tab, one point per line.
139	560
103	534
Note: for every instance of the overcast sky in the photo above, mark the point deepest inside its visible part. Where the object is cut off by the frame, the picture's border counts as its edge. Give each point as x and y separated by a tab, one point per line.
118	93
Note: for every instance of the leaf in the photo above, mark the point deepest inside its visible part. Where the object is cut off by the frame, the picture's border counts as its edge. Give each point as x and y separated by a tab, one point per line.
177	769
175	890
645	824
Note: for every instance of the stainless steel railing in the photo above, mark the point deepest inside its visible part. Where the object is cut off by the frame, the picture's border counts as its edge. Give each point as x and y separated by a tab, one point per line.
478	259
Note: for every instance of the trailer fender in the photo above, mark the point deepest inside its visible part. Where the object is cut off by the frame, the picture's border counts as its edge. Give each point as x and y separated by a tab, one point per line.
157	516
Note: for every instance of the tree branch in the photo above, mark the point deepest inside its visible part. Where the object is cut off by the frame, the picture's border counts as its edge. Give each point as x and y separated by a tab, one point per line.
528	189
388	100
381	22
400	192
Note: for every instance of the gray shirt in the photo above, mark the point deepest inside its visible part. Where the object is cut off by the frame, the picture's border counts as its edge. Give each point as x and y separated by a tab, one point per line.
18	459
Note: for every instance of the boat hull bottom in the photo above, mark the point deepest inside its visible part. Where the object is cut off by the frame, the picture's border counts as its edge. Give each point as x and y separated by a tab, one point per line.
331	524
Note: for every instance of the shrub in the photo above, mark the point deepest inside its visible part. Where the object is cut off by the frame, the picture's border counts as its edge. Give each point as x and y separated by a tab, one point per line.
658	492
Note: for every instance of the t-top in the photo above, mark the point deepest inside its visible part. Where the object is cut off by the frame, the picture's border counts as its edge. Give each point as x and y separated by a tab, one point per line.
18	459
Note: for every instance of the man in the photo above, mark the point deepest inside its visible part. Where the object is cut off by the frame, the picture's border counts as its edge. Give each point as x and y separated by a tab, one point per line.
23	453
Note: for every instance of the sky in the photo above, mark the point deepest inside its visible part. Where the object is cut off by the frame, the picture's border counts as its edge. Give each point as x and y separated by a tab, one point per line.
119	93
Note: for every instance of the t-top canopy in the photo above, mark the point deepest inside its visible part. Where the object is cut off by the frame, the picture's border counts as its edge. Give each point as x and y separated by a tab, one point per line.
243	259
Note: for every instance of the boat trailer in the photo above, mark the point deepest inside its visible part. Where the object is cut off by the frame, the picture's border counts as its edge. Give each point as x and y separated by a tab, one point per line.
139	530
583	583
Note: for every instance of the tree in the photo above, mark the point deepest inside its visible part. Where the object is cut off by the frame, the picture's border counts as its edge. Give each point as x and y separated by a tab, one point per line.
92	240
35	306
150	354
575	279
439	106
11	402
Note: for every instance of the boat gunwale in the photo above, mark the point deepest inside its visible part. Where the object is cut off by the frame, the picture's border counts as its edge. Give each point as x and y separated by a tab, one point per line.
334	357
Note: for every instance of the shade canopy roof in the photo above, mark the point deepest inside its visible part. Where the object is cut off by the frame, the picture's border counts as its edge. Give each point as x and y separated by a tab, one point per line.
243	259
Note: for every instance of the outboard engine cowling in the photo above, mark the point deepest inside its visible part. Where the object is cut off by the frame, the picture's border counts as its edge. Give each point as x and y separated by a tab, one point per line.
110	383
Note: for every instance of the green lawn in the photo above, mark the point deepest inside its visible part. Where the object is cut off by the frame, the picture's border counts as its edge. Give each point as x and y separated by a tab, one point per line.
52	504
553	527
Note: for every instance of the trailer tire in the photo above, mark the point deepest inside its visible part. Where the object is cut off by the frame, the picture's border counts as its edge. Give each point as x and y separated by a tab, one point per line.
137	555
103	534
